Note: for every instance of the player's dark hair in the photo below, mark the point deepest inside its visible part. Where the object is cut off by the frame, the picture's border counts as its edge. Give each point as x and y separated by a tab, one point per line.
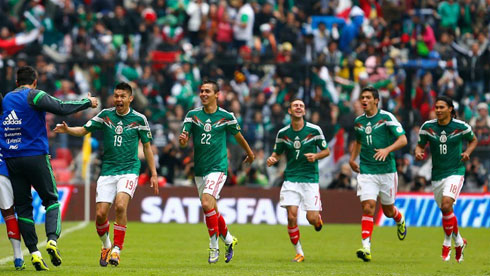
26	75
449	103
124	86
373	91
213	83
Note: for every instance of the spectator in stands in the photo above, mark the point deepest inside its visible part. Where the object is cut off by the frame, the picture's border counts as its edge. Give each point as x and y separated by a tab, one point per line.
481	125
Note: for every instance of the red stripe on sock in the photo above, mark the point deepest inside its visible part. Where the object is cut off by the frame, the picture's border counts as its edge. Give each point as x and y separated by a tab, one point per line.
119	233
398	216
448	223
367	224
293	234
103	228
12	227
212	222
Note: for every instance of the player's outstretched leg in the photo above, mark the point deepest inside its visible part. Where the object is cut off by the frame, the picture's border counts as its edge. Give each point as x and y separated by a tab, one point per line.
13	234
54	252
103	232
229	240
401	228
294	237
459	242
38	261
367	225
119	234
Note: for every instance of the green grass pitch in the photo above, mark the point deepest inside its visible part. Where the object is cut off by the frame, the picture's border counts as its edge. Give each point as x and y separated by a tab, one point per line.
176	249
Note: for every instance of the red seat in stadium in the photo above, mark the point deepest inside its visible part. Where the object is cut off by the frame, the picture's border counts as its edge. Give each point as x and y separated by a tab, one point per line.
63	176
59	163
63	153
161	59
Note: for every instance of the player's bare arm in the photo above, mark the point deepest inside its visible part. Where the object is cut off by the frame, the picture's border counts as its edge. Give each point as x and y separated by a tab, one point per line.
273	159
183	138
355	152
312	157
74	131
381	154
151	164
465	156
419	152
243	143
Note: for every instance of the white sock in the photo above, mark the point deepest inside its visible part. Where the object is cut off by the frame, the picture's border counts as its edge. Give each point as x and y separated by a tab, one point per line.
116	249
366	243
106	241
447	240
228	238
53	241
213	242
299	249
458	240
37	253
16	247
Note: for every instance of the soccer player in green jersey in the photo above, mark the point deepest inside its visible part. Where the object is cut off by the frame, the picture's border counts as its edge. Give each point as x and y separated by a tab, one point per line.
208	126
378	134
123	128
300	141
445	136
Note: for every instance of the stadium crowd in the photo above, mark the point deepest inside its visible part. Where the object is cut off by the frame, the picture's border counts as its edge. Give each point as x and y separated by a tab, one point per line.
263	53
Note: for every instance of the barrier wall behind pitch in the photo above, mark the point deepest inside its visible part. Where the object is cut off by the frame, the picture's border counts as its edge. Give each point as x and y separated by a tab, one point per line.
256	205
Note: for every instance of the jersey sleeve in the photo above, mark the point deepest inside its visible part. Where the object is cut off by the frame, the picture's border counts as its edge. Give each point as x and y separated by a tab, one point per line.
144	131
357	131
232	125
468	133
279	145
422	136
187	125
394	126
320	140
95	123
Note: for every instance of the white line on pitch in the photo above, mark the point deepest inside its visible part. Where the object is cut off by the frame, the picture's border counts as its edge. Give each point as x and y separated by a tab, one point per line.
42	244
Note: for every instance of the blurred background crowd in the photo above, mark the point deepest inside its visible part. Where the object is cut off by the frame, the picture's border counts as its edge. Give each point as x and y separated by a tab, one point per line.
263	53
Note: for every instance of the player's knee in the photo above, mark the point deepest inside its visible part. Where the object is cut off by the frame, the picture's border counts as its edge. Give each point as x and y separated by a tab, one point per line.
292	217
312	218
100	216
120	208
446	207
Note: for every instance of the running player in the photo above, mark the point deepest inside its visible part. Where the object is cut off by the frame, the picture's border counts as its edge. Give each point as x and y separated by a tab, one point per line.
208	126
299	142
123	128
445	136
378	134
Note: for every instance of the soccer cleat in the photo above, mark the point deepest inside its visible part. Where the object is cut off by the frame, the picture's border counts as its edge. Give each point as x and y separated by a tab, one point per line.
364	254
319	226
104	256
401	230
53	252
230	250
446	253
459	251
39	263
114	258
298	258
19	264
213	255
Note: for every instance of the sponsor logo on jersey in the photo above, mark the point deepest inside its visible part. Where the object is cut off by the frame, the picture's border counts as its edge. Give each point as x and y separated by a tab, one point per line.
12	119
207	127
14	147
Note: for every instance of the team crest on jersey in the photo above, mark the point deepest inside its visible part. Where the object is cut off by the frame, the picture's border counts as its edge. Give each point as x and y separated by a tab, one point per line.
297	144
443	137
119	130
207	127
368	130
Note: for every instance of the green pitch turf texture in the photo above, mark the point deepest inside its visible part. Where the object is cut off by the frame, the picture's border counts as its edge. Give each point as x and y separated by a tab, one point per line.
177	249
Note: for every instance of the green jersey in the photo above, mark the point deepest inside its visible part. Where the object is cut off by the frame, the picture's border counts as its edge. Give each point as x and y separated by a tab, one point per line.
377	132
446	146
295	144
121	138
208	133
